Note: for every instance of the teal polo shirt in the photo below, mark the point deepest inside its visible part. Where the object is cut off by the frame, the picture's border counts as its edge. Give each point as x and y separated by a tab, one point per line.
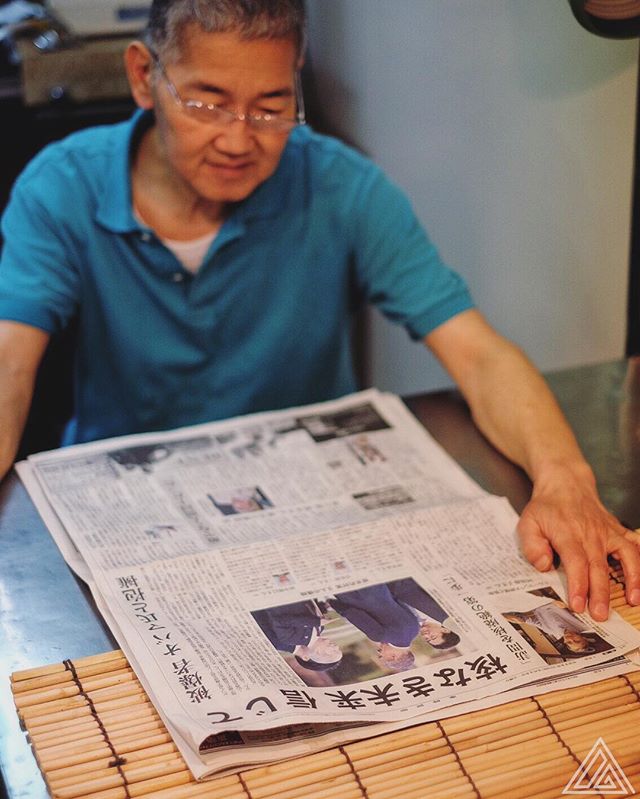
264	323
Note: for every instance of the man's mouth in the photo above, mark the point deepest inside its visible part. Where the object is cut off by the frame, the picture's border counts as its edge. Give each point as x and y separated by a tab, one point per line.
231	169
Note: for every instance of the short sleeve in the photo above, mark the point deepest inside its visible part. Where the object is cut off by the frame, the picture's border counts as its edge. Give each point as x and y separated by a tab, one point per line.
38	282
398	267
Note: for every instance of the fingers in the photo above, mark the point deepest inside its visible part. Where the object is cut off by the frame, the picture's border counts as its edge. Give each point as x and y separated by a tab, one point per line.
576	567
629	556
535	546
599	588
633	536
583	550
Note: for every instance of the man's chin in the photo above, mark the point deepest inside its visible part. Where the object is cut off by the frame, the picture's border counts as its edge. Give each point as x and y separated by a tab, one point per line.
227	194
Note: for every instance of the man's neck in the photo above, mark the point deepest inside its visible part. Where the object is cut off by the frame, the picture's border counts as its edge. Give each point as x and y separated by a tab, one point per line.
164	202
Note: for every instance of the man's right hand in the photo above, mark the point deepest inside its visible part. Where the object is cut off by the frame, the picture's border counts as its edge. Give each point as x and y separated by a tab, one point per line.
21	350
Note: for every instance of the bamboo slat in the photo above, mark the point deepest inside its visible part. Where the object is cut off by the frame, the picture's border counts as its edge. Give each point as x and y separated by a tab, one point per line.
526	749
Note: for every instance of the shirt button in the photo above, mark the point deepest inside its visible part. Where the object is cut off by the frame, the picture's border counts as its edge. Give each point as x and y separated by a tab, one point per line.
177	277
145	235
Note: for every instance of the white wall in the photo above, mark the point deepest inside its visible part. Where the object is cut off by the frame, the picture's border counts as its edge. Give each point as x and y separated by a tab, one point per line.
511	128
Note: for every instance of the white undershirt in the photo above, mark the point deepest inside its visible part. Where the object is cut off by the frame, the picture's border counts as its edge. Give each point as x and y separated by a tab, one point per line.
189	253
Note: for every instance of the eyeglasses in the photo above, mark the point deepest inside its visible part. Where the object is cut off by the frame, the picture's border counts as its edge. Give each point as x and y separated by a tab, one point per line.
215	115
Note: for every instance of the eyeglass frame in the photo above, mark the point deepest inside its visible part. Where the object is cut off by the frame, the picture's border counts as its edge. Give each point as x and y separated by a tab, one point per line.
259	122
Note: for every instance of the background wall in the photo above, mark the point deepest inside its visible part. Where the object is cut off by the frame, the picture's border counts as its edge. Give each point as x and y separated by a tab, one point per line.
511	128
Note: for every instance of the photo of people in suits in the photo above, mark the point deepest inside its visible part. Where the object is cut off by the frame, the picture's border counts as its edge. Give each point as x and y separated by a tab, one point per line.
298	629
361	634
241	500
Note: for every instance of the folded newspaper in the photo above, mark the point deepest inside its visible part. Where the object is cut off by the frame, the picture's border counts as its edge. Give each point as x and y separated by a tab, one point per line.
293	580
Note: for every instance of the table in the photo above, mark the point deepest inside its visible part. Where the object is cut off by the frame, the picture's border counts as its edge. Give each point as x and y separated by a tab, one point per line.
47	614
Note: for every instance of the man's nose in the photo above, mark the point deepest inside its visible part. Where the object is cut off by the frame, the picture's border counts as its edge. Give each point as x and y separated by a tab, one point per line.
236	138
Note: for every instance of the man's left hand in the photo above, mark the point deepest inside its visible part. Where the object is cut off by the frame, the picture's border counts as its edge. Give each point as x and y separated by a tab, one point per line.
568	518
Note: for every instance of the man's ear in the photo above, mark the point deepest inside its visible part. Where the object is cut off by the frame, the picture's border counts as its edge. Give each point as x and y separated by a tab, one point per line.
138	63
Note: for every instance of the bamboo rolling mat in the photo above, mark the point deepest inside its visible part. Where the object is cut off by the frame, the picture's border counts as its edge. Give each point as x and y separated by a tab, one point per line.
95	735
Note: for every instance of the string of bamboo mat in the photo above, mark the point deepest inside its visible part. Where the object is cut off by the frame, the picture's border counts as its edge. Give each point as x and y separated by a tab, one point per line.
96	735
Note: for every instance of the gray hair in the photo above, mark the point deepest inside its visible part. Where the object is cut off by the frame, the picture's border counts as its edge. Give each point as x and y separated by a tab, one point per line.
251	19
402	662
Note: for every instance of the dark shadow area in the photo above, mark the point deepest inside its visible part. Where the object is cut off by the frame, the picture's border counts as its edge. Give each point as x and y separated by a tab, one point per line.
52	404
632	344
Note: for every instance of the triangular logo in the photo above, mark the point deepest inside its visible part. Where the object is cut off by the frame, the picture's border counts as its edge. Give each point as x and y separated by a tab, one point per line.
607	777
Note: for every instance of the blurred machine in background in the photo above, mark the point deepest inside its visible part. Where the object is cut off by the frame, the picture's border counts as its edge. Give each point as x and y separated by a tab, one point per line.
100	17
61	69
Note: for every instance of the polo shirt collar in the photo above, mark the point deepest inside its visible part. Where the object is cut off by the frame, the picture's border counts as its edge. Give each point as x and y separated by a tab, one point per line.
115	208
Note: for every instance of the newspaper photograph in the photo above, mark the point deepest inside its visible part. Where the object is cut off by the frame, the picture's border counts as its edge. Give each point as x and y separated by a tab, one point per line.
288	581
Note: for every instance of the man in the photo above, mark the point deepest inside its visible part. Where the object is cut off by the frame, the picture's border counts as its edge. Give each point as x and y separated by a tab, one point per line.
429	613
297	628
395	658
212	250
375	612
387	623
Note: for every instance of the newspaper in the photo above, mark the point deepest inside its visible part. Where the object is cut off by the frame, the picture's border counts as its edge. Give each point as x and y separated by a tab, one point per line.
293	580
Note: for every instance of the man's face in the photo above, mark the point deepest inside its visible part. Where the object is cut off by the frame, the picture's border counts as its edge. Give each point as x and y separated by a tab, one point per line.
574	641
432	632
324	650
244	504
218	162
394	657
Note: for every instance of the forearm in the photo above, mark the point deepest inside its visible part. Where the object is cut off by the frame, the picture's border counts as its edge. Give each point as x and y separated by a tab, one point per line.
509	400
16	391
21	349
515	409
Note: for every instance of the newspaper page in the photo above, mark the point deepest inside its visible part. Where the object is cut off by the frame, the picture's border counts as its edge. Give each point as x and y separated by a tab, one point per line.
241	748
405	629
257	478
297	576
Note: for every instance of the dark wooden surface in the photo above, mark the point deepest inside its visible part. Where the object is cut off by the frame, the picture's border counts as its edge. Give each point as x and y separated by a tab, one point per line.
47	615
